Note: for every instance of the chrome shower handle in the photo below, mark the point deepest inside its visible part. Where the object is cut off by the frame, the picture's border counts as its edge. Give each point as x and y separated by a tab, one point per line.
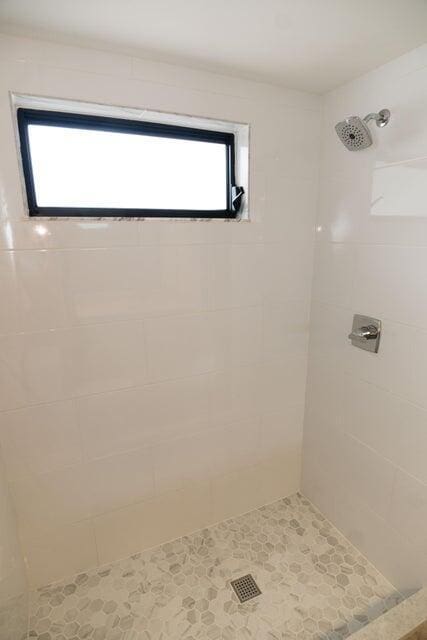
369	332
365	333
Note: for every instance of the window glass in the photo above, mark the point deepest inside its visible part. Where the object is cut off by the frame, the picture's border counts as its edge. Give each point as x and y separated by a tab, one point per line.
87	168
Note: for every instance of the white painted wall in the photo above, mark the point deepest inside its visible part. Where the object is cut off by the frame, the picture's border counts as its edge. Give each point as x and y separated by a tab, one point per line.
152	374
13	583
365	449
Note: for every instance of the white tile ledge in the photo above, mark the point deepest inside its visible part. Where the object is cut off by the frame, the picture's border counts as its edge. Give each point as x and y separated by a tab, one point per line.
398	622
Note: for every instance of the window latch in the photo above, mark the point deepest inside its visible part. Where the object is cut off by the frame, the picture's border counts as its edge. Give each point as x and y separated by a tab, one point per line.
236	198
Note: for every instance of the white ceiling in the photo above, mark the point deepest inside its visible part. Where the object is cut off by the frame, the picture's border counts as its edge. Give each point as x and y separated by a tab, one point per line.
314	45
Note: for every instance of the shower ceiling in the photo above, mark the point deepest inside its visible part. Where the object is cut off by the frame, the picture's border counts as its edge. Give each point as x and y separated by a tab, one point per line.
313	45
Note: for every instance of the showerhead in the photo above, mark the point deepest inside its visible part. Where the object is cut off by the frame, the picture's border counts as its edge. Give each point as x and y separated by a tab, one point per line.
354	132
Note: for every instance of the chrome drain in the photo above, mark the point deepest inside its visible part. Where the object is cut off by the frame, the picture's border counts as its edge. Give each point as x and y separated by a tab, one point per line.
245	588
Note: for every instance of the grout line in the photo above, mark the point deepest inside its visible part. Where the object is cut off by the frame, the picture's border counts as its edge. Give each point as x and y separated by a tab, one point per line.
156	315
152	383
392	463
350	309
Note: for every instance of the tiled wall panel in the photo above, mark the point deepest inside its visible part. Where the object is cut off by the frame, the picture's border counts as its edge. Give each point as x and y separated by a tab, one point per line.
152	374
365	443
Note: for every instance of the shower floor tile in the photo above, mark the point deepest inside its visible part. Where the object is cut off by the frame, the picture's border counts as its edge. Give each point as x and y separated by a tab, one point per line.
314	584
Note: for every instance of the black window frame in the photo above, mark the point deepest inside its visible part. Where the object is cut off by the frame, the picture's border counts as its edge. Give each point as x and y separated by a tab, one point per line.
26	116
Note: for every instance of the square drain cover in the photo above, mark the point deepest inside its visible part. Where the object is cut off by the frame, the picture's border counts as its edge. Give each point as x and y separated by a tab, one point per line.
245	588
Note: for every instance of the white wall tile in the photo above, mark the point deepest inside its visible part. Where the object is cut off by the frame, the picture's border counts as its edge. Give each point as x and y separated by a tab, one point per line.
180	346
39	439
285	329
48	366
185	232
10	313
281	432
237	492
295	266
388	424
292	205
23	235
47	500
124	532
103	357
242	450
406	440
28	233
31	369
408	510
13	578
84	234
174	513
31	284
120	480
366	475
389	279
102	285
174	279
42	296
62	552
334	274
241	335
112	423
251	487
182	461
236	393
275	377
297	139
341	205
237	277
133	418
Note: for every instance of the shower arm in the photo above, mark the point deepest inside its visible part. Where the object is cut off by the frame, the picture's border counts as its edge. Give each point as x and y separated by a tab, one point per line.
372	116
380	118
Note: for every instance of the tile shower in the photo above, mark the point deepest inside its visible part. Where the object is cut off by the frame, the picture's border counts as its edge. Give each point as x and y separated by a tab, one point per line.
153	379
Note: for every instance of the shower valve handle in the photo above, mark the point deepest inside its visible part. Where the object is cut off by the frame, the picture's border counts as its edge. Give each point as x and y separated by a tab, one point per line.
370	332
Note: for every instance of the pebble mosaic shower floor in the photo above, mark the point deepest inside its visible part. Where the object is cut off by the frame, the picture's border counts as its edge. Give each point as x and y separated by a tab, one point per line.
314	585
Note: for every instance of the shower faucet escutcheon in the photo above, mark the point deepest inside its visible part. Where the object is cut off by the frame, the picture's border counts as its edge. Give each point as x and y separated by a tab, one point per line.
366	333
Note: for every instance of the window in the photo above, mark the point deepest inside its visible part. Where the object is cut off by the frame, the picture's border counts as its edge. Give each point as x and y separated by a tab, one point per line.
91	165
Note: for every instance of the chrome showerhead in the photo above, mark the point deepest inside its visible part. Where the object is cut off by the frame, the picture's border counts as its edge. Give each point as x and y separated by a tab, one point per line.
354	132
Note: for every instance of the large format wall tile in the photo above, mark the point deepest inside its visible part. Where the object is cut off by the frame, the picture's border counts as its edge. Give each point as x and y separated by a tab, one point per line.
132	418
48	500
39	439
62	551
48	366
